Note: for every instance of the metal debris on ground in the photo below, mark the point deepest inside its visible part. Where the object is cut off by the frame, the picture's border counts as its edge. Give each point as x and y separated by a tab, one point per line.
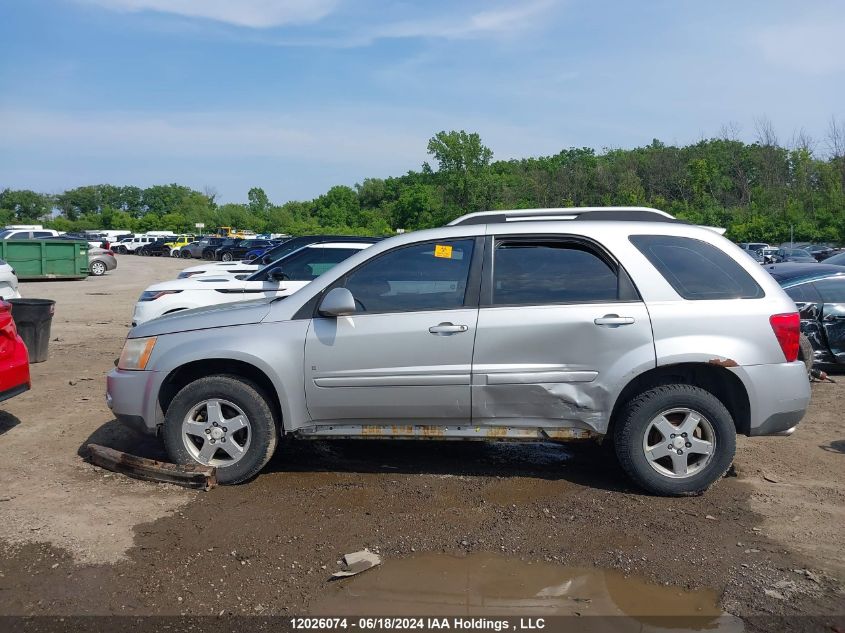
821	376
357	562
189	475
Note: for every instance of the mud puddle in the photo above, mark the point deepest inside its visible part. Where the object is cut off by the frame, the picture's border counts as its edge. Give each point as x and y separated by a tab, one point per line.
490	584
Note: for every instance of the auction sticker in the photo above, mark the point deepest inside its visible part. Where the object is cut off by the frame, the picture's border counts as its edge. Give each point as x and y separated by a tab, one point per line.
443	250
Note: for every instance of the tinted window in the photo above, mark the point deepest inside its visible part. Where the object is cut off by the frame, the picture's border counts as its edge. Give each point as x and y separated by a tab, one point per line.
536	273
42	234
832	290
697	270
803	293
430	276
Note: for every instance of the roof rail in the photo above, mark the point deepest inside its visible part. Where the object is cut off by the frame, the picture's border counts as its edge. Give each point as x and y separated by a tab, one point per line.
629	214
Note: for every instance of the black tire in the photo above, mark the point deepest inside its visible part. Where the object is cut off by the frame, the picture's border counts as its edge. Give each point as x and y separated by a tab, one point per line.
185	254
252	401
805	352
98	269
226	257
634	421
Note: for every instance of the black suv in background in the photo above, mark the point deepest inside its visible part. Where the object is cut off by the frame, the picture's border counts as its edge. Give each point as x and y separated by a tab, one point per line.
156	248
232	252
213	244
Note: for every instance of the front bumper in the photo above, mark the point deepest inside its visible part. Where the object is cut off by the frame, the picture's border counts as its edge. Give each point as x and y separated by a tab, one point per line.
131	395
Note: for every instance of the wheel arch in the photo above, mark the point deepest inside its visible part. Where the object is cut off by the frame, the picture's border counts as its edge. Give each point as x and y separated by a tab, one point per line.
193	370
719	381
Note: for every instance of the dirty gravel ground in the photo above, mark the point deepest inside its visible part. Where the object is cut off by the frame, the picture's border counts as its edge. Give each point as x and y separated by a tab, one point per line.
77	540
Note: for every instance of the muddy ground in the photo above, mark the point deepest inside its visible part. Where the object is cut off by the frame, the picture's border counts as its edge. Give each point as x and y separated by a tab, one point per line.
77	540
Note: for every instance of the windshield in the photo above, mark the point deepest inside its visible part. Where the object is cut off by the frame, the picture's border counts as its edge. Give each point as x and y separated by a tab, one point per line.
306	264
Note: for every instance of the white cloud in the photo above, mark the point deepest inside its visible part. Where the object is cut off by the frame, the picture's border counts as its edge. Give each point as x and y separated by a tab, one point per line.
319	137
247	13
503	20
813	46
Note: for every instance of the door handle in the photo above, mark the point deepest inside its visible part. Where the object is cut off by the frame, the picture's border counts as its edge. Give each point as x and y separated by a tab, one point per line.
448	328
613	320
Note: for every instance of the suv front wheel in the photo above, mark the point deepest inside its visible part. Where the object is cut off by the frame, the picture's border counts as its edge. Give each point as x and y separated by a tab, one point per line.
223	421
675	440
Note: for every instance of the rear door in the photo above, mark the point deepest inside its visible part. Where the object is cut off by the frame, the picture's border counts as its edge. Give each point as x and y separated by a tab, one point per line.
560	324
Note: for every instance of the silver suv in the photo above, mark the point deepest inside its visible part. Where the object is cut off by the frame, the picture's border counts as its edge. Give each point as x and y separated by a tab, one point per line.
566	324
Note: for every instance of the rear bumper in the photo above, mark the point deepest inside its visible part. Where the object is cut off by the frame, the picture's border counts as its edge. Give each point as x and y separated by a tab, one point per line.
131	397
778	396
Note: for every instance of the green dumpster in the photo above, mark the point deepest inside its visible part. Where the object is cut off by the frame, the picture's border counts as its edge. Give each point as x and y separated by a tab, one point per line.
46	259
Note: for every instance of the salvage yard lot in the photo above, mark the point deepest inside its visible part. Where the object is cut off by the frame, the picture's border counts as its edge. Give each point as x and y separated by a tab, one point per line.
77	540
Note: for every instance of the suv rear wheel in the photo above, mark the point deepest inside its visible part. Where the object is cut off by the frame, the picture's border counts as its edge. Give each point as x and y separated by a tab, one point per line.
222	421
675	440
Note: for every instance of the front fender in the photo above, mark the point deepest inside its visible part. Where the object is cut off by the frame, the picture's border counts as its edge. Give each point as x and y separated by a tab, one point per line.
275	349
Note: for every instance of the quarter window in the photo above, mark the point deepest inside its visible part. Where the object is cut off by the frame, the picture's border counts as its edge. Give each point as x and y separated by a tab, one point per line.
428	276
697	270
547	272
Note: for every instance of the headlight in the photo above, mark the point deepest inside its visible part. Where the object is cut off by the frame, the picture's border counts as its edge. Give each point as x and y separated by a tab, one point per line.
152	295
136	352
186	274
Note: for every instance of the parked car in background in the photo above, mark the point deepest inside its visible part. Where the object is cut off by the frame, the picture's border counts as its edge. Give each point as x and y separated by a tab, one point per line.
14	358
172	248
27	234
280	279
8	282
836	260
236	251
797	255
273	255
656	332
819	293
753	246
132	244
101	261
214	243
820	252
195	249
156	248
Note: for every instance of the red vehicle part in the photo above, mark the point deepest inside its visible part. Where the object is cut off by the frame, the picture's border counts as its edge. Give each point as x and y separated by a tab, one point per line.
14	358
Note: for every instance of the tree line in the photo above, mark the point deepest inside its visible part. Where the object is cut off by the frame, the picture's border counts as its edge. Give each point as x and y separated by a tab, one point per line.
760	191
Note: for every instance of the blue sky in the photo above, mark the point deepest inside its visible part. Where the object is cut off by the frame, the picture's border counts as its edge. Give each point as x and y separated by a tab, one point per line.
295	96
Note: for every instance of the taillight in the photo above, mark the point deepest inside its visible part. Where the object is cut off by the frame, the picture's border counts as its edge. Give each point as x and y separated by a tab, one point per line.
787	329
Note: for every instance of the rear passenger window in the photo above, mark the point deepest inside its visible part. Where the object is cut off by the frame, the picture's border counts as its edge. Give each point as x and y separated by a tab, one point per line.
542	272
697	270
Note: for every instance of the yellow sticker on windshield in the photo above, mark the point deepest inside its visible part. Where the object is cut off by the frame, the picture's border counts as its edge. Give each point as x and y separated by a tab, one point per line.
443	250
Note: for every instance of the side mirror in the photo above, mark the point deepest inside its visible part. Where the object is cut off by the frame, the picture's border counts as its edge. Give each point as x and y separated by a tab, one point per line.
277	274
338	302
266	260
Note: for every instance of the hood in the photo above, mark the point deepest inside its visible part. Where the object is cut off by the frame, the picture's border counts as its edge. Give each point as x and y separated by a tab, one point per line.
224	315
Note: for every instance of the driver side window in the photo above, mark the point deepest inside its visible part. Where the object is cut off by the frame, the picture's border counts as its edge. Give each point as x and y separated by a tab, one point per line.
420	277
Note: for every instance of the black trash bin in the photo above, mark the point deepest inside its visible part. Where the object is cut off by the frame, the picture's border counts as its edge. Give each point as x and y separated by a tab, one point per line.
33	318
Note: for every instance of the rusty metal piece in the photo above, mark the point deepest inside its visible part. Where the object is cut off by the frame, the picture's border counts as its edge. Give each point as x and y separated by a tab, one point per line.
190	475
728	362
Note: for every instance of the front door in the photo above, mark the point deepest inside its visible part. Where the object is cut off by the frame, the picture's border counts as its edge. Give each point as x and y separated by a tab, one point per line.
559	325
405	356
